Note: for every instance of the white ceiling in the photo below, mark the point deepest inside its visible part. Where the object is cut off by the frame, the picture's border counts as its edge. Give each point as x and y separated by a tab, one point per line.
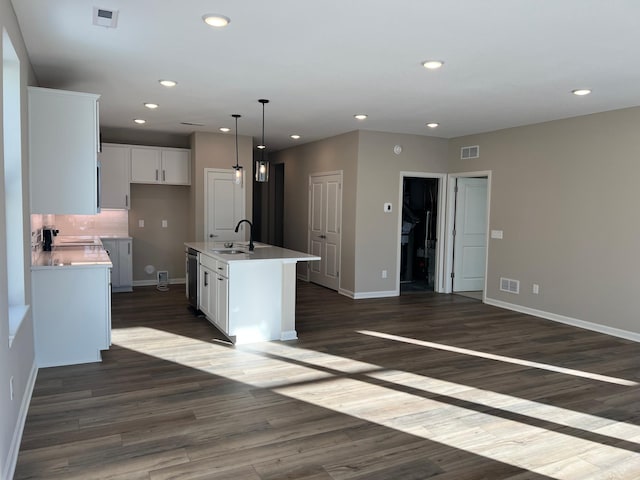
319	62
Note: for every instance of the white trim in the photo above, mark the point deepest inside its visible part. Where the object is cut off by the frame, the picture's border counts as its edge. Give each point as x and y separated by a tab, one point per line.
440	284
346	293
288	335
381	294
450	222
554	317
149	283
14	448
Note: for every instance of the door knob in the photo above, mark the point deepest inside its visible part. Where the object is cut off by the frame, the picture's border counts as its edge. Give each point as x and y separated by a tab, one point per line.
323	236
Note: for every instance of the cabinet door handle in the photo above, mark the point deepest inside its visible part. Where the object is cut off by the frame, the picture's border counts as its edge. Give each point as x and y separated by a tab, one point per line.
156	174
206	279
126	200
164	176
128	248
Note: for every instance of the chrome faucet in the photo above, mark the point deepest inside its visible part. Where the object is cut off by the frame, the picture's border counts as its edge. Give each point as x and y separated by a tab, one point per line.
250	232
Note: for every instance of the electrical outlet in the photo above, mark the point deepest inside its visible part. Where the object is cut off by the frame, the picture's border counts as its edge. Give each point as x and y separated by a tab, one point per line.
164	224
536	289
384	274
141	223
387	208
11	388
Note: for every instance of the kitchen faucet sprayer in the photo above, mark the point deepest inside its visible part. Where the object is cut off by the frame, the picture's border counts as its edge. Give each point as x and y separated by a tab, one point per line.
250	232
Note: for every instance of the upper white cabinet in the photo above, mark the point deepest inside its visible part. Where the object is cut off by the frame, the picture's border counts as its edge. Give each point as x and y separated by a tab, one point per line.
63	146
115	161
160	165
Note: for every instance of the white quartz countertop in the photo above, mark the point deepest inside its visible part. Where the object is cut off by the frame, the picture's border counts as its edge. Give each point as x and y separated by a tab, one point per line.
261	252
73	256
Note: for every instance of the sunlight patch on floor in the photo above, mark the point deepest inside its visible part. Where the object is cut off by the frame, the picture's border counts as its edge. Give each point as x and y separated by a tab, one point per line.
302	374
502	358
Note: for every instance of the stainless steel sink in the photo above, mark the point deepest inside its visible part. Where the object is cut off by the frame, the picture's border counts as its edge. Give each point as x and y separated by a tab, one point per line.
228	251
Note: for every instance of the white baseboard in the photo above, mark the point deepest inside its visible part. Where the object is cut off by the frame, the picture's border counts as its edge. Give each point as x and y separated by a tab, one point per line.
346	293
596	327
151	283
14	448
288	335
382	294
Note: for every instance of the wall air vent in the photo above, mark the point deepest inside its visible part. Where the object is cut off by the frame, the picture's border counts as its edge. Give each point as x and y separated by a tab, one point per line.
509	285
470	152
105	18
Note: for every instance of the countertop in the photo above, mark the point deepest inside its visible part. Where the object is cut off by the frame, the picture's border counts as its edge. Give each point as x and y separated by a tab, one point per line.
73	251
262	252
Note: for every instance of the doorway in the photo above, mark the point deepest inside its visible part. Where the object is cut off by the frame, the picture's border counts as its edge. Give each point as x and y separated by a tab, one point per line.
420	219
468	221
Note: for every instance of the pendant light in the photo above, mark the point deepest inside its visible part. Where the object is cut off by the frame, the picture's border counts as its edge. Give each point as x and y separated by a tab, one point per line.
237	178
262	165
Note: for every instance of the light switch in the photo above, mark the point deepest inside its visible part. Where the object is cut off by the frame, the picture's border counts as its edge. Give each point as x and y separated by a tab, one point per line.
164	224
496	234
141	223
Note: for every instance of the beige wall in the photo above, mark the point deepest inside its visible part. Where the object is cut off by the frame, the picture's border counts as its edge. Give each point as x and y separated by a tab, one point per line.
377	235
565	195
154	245
371	177
216	150
17	361
330	155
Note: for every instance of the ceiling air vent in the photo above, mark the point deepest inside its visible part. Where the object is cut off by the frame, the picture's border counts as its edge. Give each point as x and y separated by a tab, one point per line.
470	152
509	285
192	124
105	18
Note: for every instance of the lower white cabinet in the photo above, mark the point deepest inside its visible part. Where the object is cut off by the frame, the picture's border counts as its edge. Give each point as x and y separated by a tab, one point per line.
213	294
119	250
71	314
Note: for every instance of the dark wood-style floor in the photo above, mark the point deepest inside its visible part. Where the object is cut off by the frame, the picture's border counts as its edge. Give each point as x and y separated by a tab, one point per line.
414	387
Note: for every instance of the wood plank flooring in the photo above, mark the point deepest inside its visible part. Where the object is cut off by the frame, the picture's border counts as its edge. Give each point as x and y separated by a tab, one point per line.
414	387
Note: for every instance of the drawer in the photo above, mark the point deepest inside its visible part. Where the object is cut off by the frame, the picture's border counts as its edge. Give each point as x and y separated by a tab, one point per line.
222	268
208	262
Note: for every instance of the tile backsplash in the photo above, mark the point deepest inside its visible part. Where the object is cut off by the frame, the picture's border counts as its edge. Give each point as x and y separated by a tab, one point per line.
107	222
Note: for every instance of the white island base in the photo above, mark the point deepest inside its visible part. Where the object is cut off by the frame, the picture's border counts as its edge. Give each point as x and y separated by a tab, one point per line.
250	297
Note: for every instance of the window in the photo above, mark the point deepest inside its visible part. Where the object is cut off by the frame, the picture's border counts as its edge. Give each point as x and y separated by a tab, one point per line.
14	214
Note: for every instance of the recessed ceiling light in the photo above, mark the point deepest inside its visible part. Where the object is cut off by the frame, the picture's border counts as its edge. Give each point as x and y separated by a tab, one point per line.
360	116
225	129
581	91
432	64
295	137
216	20
151	106
168	83
139	121
432	125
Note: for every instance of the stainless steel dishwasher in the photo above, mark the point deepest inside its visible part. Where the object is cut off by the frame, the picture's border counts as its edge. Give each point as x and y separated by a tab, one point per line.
192	277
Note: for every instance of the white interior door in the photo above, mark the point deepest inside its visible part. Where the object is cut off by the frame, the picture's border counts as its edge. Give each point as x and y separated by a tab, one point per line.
470	241
325	218
224	206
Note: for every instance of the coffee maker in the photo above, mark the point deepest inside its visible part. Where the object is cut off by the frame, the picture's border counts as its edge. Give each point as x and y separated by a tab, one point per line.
47	237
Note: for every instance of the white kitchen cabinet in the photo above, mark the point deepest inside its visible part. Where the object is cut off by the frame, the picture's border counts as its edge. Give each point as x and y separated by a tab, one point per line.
213	297
115	162
63	146
119	250
171	166
71	314
206	292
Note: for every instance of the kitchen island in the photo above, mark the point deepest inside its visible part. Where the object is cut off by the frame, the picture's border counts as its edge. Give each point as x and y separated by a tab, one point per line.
250	296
